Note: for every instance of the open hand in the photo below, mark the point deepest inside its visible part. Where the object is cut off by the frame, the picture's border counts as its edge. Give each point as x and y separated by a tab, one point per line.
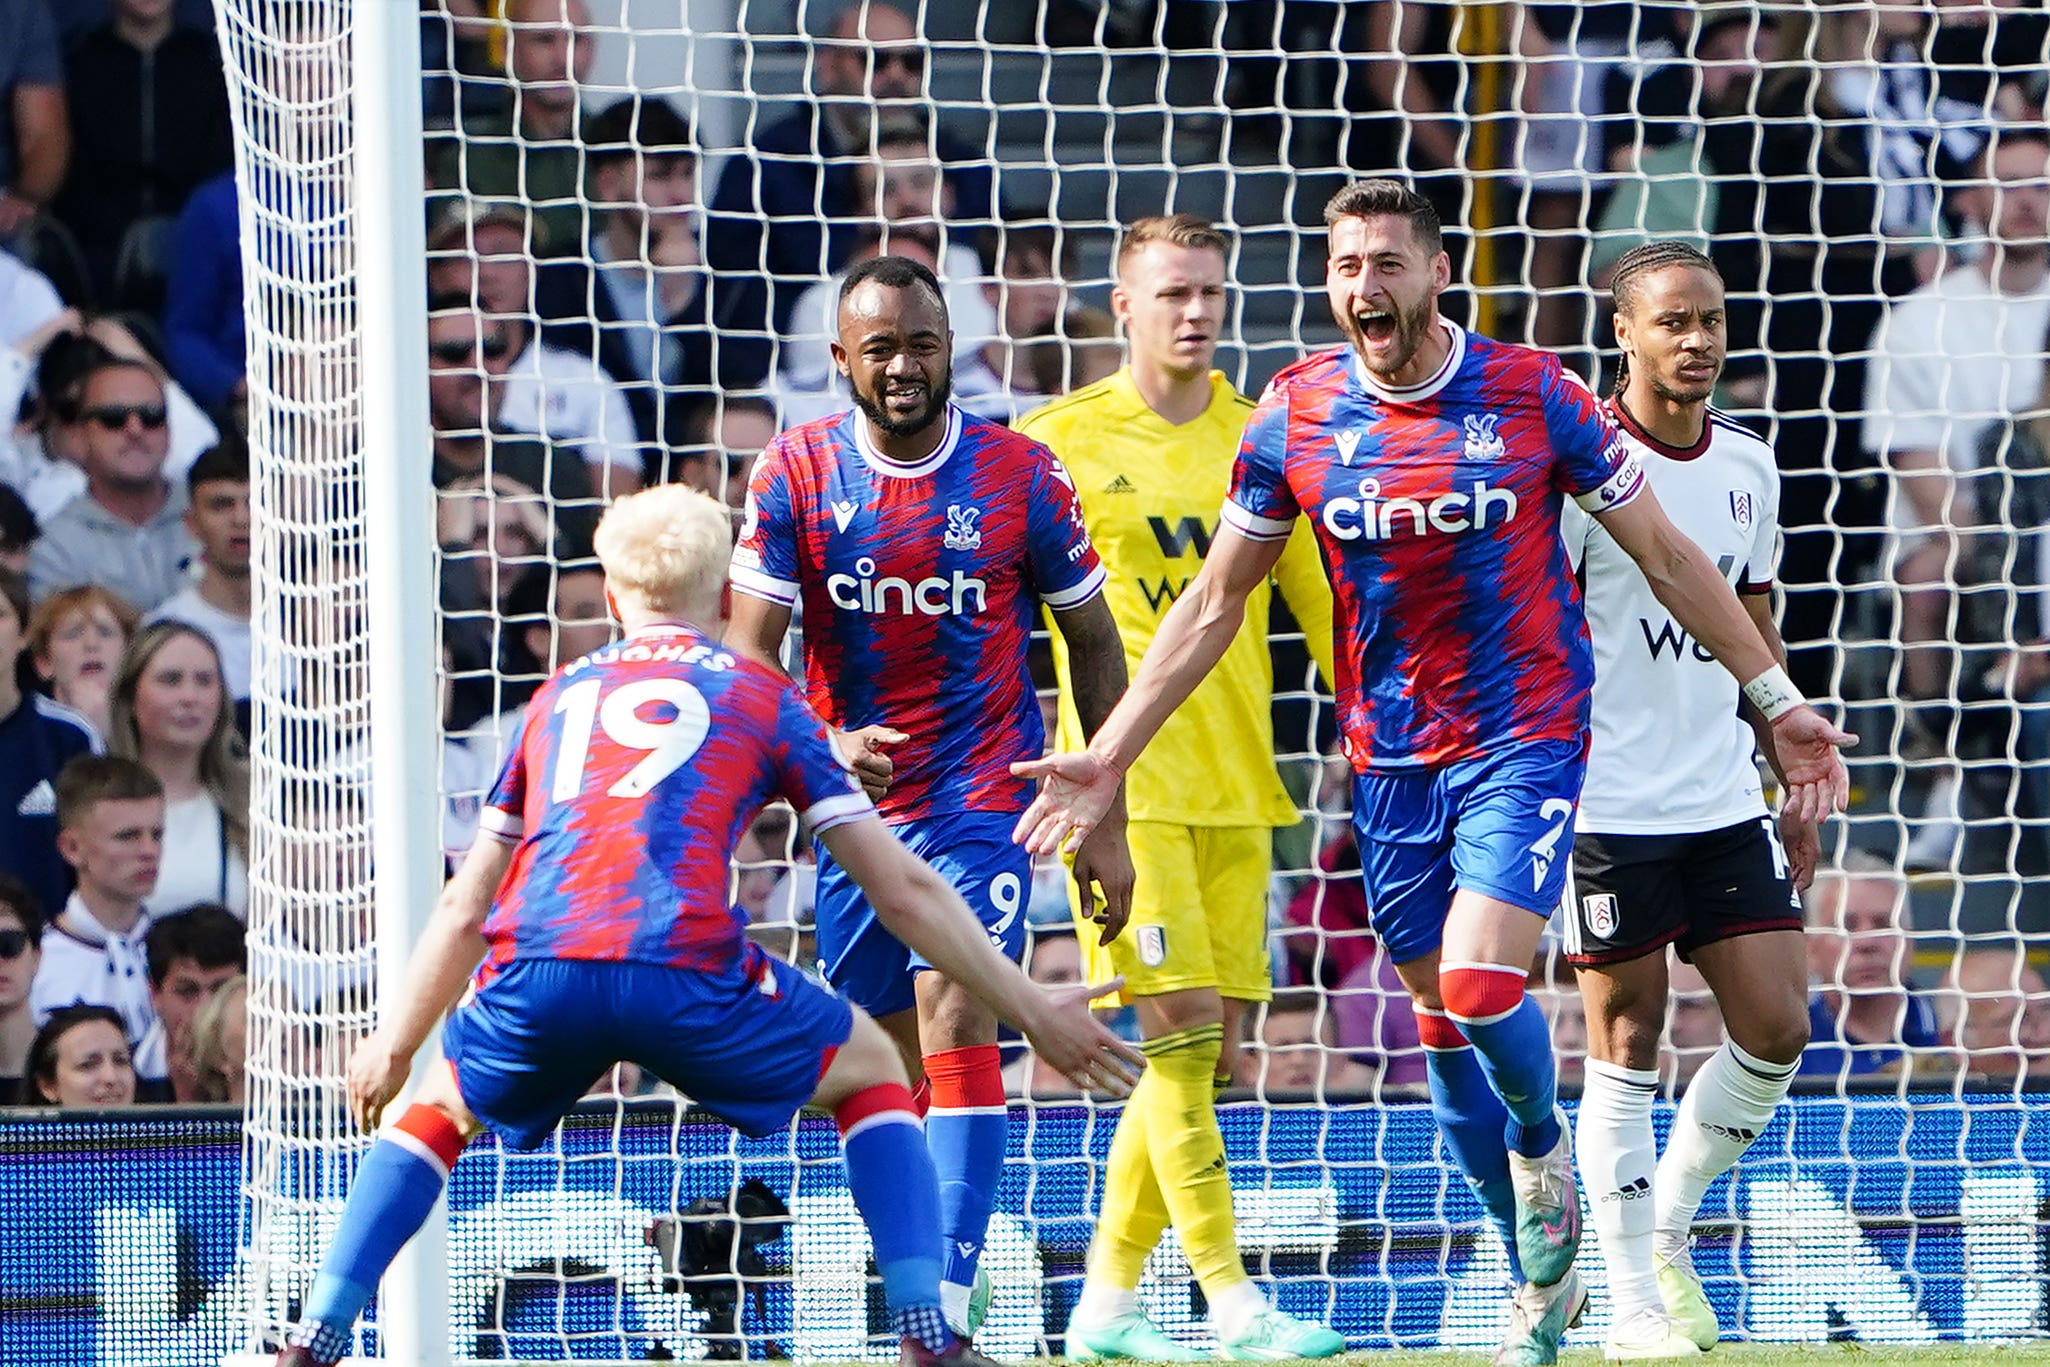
1808	744
1802	841
1075	792
1079	1046
863	748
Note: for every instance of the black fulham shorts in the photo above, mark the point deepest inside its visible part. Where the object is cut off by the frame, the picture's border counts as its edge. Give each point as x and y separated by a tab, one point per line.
1634	894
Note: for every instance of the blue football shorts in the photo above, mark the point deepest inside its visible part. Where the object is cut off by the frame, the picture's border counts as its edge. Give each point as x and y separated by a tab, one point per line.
748	1045
972	851
1499	824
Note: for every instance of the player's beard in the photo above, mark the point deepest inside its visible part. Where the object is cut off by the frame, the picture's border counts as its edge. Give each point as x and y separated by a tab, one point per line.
935	405
1678	391
1411	325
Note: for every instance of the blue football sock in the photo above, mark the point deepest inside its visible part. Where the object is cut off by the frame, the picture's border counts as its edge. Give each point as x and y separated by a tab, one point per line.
1470	1117
890	1175
396	1187
1516	1054
966	1130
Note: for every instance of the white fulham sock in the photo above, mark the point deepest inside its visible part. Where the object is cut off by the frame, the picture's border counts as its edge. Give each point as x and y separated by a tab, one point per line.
1618	1153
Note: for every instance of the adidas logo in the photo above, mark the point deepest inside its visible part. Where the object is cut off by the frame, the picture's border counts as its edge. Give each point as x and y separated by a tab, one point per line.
1634	1191
41	801
1120	485
1731	1132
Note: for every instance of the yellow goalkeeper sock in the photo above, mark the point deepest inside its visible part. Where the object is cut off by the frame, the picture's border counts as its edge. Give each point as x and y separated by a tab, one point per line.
1133	1215
1188	1151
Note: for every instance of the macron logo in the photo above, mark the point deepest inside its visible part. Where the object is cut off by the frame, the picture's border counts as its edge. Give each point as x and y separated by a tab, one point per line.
1348	443
40	801
843	512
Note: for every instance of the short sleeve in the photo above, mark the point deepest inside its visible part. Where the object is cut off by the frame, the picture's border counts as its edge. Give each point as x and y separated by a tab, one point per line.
1765	528
765	559
1065	567
504	813
1591	461
811	774
1260	505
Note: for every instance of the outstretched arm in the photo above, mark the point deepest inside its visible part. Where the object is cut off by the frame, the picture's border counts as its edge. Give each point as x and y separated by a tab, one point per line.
1703	603
448	953
920	908
1076	791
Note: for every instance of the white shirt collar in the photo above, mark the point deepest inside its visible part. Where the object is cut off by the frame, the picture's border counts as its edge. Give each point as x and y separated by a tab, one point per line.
882	465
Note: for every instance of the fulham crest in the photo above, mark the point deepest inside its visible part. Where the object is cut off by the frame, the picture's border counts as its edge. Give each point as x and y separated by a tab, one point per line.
1598	914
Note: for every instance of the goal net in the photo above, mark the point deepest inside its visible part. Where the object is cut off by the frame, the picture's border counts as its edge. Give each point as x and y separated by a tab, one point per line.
634	215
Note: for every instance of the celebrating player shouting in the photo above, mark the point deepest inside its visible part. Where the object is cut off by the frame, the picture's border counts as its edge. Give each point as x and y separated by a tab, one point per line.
595	898
1675	846
922	542
1151	452
1433	465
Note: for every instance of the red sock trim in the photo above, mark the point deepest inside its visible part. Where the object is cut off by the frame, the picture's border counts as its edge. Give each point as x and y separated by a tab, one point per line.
1435	1030
1480	992
871	1102
969	1077
435	1130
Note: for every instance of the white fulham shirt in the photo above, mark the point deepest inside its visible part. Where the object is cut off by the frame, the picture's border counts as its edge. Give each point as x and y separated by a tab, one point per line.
1671	753
83	961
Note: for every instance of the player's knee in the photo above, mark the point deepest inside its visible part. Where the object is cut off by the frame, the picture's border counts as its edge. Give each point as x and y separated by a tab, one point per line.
1478	994
869	1058
1626	1041
1775	1041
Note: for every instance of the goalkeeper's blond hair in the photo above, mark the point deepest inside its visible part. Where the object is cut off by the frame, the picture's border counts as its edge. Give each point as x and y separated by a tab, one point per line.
665	550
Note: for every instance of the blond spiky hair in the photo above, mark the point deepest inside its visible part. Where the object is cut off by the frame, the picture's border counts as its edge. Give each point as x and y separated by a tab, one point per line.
665	549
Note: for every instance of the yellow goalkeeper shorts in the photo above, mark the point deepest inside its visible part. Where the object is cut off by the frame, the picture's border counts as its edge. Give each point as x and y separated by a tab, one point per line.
1199	913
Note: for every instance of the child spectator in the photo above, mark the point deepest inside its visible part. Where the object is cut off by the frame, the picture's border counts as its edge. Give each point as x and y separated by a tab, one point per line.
75	638
220	1044
191	956
80	1058
110	829
169	710
217	514
37	738
21	936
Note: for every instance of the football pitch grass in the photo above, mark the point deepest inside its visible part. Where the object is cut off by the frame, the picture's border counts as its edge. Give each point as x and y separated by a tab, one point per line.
2034	1353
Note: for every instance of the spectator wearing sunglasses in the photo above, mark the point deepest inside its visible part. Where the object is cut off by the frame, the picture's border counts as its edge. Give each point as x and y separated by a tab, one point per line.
466	357
786	213
127	530
21	938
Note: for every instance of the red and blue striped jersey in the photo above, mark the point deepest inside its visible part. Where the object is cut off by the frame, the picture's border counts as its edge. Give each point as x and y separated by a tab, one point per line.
632	775
919	587
1437	508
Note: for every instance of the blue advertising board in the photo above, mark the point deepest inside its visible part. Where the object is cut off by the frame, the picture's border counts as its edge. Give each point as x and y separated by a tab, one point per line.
1861	1217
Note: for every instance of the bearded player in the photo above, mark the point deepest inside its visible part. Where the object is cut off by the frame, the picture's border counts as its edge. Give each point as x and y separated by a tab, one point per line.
1433	465
922	543
1675	846
1151	452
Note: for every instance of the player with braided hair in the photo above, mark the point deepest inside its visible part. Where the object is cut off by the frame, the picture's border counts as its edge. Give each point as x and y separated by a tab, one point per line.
1675	846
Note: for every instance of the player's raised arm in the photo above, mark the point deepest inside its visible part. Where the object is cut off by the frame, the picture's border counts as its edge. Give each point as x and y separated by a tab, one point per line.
1705	605
1076	791
922	909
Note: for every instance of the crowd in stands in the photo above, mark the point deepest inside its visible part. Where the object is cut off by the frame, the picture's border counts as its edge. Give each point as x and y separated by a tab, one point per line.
611	302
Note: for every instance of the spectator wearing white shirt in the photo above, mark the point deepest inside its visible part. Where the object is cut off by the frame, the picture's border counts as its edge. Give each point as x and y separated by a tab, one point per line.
169	710
1950	360
218	603
485	253
110	829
